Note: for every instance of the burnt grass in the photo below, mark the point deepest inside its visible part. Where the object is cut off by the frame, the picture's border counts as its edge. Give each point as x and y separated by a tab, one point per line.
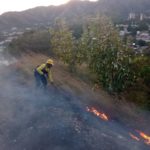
33	119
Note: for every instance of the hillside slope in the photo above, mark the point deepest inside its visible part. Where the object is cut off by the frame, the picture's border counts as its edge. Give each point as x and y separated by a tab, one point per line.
59	119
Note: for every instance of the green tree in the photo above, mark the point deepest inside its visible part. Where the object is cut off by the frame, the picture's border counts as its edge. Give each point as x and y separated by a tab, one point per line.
64	45
141	43
106	54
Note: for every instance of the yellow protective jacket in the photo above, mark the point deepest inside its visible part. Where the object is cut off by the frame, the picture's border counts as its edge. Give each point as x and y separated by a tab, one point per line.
44	70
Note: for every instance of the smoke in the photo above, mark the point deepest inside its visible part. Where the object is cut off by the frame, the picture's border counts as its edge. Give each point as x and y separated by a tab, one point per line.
31	118
5	61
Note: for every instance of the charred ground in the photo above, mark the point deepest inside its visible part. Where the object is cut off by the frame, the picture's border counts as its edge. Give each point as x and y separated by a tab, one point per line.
32	119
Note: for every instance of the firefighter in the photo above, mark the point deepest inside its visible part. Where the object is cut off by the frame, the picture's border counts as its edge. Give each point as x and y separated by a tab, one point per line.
43	74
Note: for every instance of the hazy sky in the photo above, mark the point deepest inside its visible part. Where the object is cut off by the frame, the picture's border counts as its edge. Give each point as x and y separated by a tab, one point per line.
18	5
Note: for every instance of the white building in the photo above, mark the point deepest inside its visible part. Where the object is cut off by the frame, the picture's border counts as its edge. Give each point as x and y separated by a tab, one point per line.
132	16
141	17
145	36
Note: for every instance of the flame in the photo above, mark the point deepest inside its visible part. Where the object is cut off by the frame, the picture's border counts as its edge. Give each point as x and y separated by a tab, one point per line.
145	137
134	137
103	116
97	113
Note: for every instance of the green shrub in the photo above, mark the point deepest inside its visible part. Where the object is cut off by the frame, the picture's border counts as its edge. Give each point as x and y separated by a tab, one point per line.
33	41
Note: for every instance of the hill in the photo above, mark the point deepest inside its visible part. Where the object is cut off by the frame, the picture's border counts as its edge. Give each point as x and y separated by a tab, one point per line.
73	11
65	117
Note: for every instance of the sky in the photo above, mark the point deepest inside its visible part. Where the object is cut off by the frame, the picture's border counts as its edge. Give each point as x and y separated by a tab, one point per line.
19	5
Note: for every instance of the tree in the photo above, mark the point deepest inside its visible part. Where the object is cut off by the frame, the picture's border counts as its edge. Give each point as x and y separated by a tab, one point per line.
143	26
141	43
106	54
64	45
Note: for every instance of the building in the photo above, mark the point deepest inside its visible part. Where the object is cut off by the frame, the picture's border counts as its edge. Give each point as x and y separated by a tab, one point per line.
132	16
144	36
141	17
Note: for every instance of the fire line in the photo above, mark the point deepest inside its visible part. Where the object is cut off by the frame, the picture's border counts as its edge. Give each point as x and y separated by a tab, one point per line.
142	136
145	137
134	137
98	113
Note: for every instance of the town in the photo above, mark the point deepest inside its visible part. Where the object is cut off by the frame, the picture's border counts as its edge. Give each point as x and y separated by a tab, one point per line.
136	28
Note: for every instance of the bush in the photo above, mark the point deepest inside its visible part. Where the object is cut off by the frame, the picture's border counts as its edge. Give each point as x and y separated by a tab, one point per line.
35	41
107	55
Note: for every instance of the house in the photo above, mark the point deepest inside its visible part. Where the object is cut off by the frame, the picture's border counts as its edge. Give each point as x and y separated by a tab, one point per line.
144	36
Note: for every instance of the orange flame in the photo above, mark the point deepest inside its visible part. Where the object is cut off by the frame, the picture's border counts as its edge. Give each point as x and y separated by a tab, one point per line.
145	137
105	118
134	137
97	113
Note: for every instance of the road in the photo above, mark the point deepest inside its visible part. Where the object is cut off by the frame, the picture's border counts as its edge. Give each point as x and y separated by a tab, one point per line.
31	119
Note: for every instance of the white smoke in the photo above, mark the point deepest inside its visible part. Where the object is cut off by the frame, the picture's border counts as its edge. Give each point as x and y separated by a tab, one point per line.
5	61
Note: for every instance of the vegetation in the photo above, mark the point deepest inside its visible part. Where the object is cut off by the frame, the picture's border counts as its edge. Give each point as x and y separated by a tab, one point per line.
73	12
63	44
107	55
139	92
142	68
115	65
34	41
99	47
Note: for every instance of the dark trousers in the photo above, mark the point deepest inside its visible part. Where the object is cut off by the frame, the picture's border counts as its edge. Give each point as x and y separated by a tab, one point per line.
41	80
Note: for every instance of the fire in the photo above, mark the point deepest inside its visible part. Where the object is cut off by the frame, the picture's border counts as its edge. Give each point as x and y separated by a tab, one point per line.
134	137
97	113
145	137
141	137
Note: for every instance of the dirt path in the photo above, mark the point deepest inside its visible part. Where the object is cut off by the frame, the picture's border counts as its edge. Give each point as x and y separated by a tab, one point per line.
58	119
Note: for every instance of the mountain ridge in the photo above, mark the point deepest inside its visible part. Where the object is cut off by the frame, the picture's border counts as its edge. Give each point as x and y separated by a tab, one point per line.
46	15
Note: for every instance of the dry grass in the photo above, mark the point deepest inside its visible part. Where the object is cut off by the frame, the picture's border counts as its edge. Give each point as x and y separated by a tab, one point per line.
61	75
64	80
26	64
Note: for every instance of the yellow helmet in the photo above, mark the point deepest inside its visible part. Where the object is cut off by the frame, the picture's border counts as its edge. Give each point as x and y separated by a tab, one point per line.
50	61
